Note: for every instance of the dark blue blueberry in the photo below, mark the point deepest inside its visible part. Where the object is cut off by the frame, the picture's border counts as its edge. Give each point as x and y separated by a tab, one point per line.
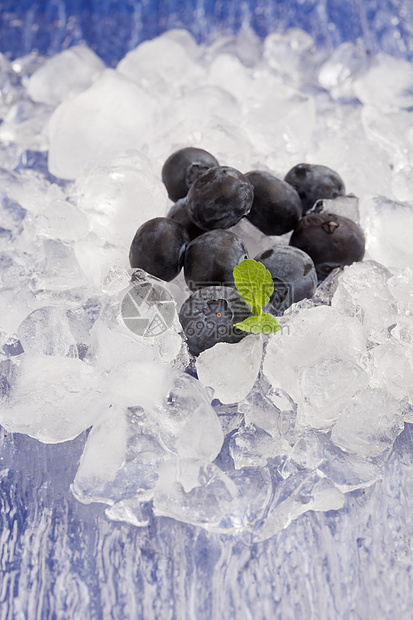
179	213
158	248
210	259
219	198
314	182
293	274
331	240
208	316
277	206
183	167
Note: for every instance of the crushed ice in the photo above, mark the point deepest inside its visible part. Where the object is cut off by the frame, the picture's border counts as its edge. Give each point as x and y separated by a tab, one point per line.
248	447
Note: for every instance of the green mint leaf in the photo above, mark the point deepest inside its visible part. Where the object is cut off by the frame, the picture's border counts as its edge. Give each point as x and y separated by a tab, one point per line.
254	283
264	323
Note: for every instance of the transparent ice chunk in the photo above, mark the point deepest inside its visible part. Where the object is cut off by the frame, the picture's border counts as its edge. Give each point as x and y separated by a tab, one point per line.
369	424
160	63
64	74
56	268
391	370
187	424
348	62
254	239
280	122
112	116
388	225
327	388
119	195
162	416
231	369
10	87
26	125
358	286
397	74
47	331
347	206
401	287
391	131
120	460
291	53
252	446
207	504
295	496
347	471
310	339
227	72
50	398
403	182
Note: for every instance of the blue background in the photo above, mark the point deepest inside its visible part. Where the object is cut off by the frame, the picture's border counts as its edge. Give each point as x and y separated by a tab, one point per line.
61	559
112	27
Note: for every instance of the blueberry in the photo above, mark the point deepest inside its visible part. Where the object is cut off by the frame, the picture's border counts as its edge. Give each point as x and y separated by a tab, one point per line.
179	213
210	259
158	248
208	316
314	183
183	167
293	274
331	240
219	198
277	206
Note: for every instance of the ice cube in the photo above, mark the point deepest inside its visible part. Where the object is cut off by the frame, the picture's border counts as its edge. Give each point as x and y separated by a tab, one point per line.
10	87
50	398
327	388
391	370
347	206
290	53
56	268
160	64
280	124
348	62
162	415
252	446
314	336
369	424
112	116
231	369
254	239
207	504
97	257
347	471
246	46
47	331
392	132
358	286
295	496
340	142
396	73
120	460
401	286
187	424
192	113
62	220
227	72
65	74
26	125
119	195
403	182
388	225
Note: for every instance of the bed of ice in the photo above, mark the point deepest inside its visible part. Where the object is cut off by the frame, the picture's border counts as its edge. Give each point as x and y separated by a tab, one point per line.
274	427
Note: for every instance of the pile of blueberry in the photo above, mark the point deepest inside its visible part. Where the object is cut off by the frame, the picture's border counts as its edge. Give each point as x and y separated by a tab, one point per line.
209	199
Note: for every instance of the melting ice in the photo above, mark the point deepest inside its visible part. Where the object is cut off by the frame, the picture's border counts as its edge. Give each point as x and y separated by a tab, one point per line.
274	426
